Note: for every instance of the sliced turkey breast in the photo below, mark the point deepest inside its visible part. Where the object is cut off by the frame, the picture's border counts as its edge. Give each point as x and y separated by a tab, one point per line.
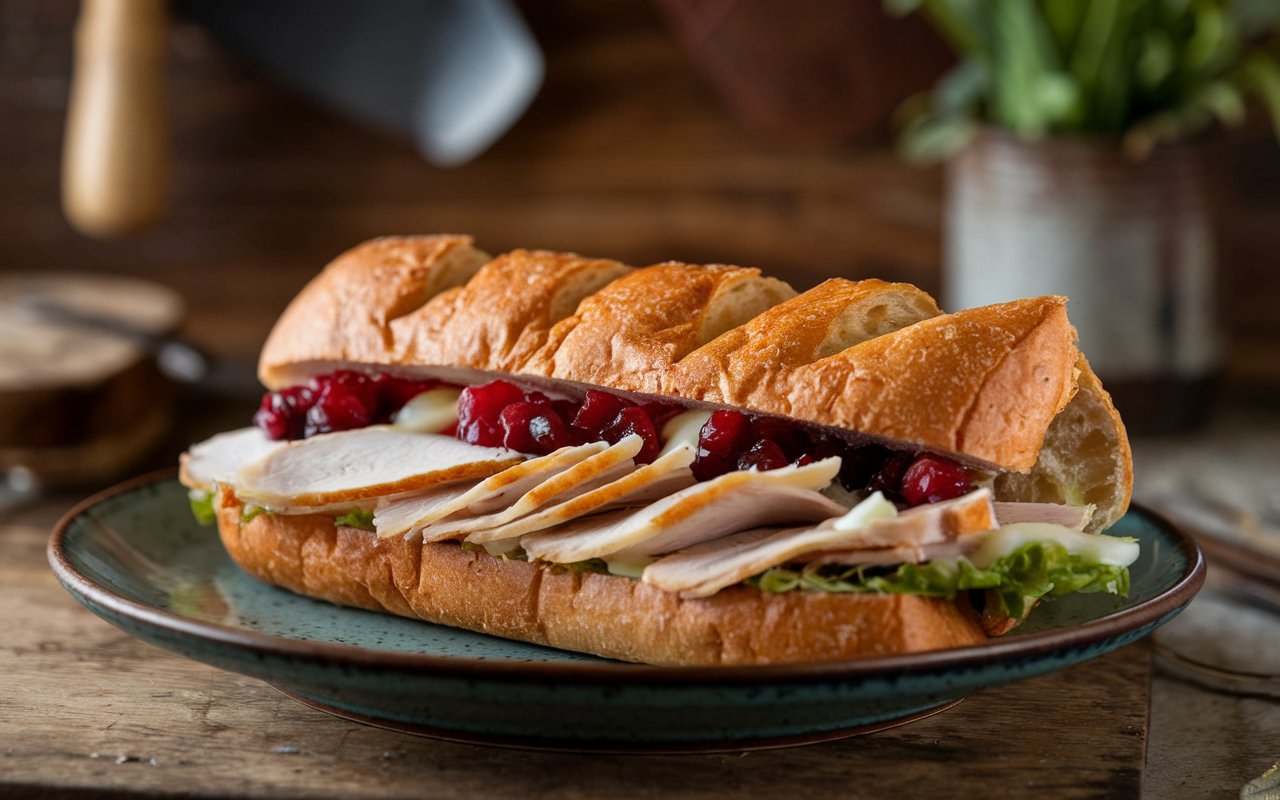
603	467
1073	517
218	459
491	494
668	474
364	464
727	504
705	569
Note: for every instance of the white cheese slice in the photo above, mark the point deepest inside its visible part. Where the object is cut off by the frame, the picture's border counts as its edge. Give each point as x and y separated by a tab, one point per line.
432	411
668	474
219	458
363	464
605	466
1096	548
684	430
705	569
872	508
493	493
709	510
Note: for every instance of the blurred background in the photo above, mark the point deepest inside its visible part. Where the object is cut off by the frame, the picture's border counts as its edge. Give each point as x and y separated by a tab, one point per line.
253	142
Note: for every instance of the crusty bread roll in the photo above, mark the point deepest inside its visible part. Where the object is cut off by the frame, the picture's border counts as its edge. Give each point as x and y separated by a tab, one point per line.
1002	388
983	385
587	612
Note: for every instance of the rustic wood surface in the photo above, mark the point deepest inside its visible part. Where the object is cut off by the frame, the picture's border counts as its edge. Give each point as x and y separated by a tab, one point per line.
87	711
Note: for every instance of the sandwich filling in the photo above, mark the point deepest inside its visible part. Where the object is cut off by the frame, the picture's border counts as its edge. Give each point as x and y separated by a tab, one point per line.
689	501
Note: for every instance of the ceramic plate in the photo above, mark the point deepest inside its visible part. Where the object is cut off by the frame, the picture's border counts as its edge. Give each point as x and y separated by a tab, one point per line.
134	556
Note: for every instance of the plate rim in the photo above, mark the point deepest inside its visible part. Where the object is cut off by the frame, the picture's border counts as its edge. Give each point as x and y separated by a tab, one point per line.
1149	611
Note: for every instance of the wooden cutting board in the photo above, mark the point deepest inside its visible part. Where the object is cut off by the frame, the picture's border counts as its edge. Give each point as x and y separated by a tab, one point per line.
77	403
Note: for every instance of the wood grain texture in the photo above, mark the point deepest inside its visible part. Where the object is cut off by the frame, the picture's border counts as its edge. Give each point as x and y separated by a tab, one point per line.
86	711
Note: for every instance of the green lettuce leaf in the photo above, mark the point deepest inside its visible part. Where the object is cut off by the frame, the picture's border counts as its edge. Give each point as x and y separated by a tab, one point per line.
361	518
249	511
202	506
1033	571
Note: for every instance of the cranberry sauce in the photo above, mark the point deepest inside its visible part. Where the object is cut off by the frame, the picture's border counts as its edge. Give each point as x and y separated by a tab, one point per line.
338	401
500	414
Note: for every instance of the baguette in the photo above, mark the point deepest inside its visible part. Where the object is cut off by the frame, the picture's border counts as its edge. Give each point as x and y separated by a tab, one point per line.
1002	389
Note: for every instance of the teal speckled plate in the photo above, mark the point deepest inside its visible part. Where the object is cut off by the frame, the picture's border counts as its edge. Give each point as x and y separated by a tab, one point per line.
135	557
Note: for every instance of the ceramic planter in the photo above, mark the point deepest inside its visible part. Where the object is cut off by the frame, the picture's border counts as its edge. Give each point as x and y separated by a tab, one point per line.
1130	243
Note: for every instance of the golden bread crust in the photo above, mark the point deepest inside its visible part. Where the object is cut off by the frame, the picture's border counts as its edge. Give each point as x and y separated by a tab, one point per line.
601	614
503	315
345	312
983	383
628	335
751	365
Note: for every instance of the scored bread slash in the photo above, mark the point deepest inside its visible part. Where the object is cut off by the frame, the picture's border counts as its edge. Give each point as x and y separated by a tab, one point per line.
724	505
491	494
704	569
603	467
364	464
218	458
668	474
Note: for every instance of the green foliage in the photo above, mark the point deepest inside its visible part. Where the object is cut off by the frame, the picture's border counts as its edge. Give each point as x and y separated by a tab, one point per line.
1144	71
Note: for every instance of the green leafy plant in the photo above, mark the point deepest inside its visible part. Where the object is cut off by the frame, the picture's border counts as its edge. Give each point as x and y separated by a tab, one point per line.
1143	71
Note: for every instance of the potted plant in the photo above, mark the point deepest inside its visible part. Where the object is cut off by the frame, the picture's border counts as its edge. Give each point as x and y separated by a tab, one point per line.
1078	163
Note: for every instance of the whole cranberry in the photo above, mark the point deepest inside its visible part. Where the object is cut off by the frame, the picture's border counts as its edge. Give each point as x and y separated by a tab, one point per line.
932	479
633	420
341	404
282	414
792	439
888	479
480	409
765	454
724	436
599	410
532	427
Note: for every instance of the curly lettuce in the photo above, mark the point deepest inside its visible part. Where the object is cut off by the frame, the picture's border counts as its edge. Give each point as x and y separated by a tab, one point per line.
1018	580
361	518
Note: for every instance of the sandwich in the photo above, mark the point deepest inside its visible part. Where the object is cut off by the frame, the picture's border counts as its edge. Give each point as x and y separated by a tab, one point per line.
676	464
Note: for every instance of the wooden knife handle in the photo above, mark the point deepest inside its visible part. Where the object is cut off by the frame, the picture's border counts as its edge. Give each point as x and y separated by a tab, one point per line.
115	160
